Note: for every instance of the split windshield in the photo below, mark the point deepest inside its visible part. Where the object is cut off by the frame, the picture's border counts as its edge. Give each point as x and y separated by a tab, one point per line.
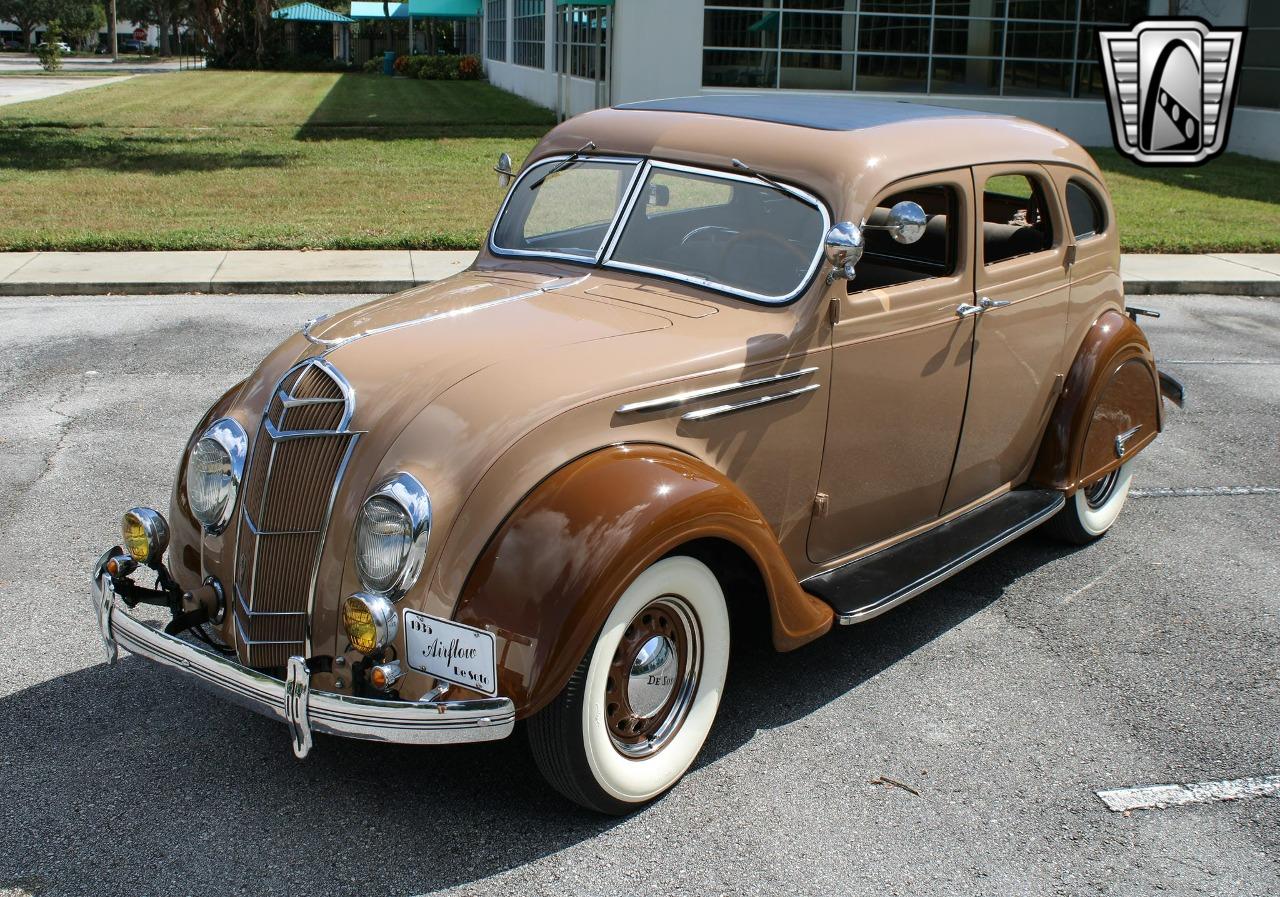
732	233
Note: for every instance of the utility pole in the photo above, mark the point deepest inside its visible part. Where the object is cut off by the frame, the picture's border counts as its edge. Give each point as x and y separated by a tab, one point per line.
111	31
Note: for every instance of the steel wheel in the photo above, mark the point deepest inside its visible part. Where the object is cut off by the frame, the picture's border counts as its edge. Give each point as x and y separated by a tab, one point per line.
637	711
1089	513
653	677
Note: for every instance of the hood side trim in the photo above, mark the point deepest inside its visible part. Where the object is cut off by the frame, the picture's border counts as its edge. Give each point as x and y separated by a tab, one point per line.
329	345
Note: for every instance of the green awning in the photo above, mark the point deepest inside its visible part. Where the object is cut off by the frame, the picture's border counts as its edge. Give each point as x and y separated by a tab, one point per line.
444	9
309	12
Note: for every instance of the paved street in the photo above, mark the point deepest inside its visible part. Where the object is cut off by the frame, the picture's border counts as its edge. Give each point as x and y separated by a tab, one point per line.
1004	698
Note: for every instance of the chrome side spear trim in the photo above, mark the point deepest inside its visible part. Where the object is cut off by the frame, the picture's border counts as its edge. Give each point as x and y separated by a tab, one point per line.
684	398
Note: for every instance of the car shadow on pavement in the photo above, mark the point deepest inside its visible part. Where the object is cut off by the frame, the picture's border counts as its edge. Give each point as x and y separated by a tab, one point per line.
128	780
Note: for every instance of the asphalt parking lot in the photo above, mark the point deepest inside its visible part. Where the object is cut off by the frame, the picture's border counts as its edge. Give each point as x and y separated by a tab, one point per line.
1003	699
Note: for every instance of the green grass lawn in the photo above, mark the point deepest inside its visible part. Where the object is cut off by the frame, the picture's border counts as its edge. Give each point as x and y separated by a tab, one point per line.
214	160
1231	204
266	160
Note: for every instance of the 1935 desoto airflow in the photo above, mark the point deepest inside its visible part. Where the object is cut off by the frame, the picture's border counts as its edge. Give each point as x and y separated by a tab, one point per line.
797	357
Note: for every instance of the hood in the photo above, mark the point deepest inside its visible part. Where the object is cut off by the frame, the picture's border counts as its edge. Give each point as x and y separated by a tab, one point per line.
401	352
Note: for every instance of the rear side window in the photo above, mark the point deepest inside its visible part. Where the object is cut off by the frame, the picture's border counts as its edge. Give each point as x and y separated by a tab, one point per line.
1015	218
1085	211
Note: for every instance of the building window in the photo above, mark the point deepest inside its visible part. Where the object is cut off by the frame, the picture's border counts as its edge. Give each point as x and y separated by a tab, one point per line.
530	33
495	30
973	47
582	36
1259	80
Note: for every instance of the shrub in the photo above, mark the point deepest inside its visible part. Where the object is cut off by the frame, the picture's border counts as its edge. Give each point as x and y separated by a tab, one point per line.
469	68
372	66
50	54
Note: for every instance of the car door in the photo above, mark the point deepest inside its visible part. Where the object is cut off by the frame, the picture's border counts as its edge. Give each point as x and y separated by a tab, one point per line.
1021	276
900	370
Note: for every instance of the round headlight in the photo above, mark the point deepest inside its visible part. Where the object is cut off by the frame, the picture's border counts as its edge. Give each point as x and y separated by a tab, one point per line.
146	535
391	536
214	470
370	621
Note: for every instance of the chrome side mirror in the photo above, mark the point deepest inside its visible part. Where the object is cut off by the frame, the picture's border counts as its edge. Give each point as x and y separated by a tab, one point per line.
843	248
906	222
503	168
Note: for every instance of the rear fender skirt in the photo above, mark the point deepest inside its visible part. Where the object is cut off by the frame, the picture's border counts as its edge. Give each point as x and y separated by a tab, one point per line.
1109	409
550	575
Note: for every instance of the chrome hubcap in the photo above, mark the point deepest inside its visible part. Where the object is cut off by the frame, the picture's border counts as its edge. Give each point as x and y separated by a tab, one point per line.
653	677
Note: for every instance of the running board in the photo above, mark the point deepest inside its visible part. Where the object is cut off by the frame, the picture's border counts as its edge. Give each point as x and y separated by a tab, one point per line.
869	586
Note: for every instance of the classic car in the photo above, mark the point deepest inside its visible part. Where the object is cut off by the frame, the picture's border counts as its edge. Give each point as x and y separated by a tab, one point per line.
785	362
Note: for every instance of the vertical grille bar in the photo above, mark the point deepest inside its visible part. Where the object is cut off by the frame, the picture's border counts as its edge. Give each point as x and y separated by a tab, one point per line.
289	491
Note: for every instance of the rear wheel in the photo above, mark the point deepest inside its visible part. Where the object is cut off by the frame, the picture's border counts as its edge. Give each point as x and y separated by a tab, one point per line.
1094	508
637	711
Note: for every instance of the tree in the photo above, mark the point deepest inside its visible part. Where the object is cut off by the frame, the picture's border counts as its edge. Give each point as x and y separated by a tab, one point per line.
79	20
26	14
166	15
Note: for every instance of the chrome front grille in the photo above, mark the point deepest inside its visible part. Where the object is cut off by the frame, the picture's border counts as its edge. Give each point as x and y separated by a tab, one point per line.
294	470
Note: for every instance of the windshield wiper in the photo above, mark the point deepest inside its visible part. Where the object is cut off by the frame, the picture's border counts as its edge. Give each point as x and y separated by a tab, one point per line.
743	166
565	163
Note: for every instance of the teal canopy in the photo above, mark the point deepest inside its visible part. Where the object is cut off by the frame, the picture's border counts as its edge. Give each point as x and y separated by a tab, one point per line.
372	9
309	12
444	9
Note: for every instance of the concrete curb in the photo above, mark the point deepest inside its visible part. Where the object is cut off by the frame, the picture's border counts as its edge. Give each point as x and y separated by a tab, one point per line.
388	271
1263	289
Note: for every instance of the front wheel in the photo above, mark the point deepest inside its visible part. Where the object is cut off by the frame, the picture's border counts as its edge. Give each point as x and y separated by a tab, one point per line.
637	711
1090	512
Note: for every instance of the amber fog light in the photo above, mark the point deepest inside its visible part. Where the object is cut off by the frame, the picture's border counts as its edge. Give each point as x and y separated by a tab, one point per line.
370	621
146	535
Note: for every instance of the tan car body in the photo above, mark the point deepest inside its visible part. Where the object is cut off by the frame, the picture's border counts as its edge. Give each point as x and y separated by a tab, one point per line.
547	500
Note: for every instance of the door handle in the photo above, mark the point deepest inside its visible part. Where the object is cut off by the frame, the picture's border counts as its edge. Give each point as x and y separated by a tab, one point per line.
986	303
965	310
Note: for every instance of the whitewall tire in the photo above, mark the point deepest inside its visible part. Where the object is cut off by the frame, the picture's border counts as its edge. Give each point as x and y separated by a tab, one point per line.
638	709
1094	508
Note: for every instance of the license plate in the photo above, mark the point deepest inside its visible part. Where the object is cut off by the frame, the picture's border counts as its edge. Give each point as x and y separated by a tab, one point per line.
451	652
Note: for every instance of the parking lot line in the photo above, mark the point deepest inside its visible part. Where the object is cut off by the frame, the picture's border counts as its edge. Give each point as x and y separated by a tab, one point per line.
1203	491
1149	797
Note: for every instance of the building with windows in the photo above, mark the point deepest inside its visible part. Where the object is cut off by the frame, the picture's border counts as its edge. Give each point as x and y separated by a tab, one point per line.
1035	58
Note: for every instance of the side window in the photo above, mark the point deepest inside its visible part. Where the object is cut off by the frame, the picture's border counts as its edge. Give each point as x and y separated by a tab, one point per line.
885	262
1015	218
1085	211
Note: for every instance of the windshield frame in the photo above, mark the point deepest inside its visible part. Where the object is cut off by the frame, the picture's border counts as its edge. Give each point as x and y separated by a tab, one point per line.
635	162
613	232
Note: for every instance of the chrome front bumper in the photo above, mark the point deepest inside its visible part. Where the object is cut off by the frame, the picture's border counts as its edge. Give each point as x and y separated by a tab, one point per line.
292	700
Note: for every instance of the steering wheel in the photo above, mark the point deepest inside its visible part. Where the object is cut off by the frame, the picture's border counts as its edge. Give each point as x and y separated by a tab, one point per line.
707	230
767	237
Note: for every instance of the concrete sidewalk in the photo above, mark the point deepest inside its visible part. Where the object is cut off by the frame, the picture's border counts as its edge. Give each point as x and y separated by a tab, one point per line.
385	271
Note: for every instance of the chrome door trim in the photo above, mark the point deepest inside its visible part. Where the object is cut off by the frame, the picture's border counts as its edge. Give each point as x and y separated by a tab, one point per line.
675	400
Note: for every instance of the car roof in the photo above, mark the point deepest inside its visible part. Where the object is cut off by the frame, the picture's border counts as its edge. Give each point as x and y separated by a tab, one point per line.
823	112
842	148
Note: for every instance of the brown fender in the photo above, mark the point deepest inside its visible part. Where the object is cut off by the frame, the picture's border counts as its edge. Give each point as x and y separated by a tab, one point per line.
1111	389
548	578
